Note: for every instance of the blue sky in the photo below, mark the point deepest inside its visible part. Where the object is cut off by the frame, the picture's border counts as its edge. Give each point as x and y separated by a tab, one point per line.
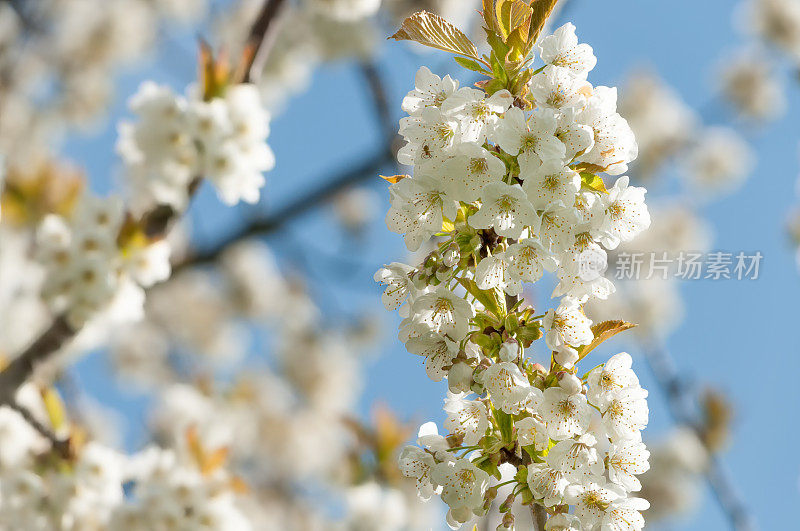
737	335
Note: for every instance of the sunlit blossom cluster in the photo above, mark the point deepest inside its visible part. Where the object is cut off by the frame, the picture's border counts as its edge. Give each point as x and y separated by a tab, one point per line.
177	140
509	186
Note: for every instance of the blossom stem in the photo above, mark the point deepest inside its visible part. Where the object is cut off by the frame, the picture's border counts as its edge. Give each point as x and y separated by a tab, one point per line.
539	516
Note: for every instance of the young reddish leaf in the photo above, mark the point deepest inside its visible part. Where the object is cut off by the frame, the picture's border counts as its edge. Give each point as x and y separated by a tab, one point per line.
602	332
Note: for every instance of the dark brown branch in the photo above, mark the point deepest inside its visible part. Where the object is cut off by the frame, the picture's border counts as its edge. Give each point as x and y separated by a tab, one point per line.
538	516
260	39
294	209
60	446
380	101
20	368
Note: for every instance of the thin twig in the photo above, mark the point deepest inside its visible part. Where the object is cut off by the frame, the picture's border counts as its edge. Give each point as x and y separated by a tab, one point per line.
61	446
680	406
380	101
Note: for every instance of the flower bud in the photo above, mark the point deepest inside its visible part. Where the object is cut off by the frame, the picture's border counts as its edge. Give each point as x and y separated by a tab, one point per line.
569	383
566	356
488	498
507	503
459	377
509	351
451	255
539	369
507	524
455	439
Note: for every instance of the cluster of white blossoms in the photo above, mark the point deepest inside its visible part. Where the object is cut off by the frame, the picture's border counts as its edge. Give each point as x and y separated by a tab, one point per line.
280	425
101	488
177	140
89	270
750	84
509	185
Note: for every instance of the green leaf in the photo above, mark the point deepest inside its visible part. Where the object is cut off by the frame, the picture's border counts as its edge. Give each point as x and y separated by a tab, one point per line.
506	425
511	14
498	45
529	333
498	69
447	225
434	31
471	64
488	15
591	181
527	496
517	44
493	301
490	468
522	473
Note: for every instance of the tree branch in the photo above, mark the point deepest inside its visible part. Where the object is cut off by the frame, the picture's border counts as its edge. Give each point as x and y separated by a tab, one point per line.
260	39
20	368
680	406
380	101
61	446
538	516
294	209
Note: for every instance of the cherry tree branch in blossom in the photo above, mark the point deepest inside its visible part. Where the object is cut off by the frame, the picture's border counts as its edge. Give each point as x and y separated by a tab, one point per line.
333	186
155	223
680	405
